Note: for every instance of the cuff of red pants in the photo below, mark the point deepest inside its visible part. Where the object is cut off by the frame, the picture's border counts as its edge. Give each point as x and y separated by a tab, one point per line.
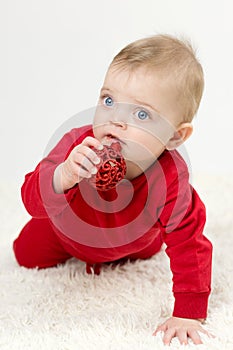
191	305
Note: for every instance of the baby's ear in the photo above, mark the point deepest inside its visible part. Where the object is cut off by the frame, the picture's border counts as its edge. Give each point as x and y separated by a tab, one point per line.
181	134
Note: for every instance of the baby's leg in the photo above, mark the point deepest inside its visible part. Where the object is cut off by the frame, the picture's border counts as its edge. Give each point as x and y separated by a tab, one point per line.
38	245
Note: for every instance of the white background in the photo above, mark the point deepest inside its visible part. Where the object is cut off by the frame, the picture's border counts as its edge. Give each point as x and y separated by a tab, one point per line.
54	55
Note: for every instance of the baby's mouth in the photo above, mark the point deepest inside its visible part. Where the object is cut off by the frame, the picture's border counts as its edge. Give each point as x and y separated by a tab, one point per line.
110	138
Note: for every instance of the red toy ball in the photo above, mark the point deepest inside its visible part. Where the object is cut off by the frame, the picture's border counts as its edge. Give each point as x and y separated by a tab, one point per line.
111	169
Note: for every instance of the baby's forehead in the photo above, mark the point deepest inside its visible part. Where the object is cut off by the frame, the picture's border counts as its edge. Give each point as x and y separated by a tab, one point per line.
143	72
140	80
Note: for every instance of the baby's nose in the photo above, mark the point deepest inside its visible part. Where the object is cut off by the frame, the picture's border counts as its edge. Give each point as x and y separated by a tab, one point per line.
119	123
120	115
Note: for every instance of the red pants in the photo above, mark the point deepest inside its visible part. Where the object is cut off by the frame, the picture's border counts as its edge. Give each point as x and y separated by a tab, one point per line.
39	246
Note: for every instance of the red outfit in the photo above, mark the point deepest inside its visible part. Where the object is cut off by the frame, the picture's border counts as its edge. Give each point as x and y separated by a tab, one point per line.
129	222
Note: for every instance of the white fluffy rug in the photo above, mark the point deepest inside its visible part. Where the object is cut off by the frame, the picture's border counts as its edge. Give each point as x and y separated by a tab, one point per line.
64	308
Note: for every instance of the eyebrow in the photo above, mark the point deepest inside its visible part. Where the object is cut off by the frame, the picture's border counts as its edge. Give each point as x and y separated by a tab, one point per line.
147	105
106	89
137	101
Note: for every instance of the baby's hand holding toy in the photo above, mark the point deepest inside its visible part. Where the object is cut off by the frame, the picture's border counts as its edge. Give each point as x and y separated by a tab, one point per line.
81	163
111	169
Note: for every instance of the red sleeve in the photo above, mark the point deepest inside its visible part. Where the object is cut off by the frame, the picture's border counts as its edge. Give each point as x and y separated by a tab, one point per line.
37	192
182	221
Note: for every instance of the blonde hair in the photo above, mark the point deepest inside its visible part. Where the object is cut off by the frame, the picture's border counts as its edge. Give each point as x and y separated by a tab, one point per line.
174	57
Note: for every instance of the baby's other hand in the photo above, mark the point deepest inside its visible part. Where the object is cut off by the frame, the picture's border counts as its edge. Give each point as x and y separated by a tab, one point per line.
182	328
80	164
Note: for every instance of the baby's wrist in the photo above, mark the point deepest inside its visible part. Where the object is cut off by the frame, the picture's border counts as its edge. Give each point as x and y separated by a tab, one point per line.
61	180
202	320
57	180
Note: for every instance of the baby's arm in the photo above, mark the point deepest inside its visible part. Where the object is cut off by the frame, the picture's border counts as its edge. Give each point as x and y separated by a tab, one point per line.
190	261
182	221
37	191
80	164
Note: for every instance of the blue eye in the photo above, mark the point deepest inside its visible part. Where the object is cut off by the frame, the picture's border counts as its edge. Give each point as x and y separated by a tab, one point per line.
108	101
142	115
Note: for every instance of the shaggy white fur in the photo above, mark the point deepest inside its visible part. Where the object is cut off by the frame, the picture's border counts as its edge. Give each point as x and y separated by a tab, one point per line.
63	308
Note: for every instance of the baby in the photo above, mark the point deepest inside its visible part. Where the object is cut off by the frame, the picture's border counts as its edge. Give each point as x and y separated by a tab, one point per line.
150	94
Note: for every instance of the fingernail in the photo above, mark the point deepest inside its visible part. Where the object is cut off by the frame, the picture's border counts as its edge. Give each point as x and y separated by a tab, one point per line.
100	147
96	161
93	171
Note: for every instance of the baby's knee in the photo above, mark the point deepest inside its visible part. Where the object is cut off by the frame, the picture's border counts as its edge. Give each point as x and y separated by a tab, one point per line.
23	257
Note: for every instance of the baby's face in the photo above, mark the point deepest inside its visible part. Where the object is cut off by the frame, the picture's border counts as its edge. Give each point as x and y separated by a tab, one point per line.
139	110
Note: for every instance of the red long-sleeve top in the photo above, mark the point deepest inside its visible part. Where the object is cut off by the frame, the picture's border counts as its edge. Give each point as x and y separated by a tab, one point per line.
108	226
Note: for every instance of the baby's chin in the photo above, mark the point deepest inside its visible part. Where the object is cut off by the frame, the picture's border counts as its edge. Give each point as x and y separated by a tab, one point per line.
140	156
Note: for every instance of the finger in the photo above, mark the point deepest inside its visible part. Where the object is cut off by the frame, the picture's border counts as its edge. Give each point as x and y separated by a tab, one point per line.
160	328
207	333
82	160
87	152
211	335
193	334
91	141
83	173
168	335
182	336
156	331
